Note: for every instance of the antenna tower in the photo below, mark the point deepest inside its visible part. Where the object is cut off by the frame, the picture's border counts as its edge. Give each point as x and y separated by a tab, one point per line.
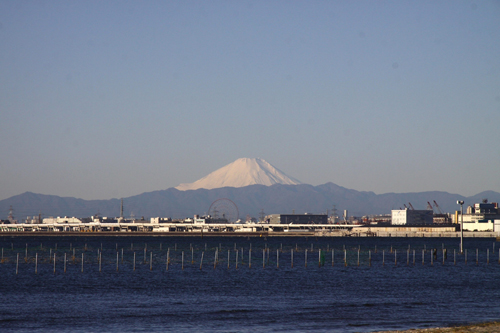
262	215
11	214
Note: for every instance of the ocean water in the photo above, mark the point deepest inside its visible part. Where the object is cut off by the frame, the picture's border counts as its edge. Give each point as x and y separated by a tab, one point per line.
388	292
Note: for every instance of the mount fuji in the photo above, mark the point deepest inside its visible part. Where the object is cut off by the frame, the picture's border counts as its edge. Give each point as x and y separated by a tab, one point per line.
240	173
247	182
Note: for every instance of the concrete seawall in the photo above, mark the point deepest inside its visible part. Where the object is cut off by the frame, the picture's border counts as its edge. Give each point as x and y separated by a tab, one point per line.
336	233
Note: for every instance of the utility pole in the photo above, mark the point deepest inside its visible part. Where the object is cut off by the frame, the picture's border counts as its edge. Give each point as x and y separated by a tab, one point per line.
461	203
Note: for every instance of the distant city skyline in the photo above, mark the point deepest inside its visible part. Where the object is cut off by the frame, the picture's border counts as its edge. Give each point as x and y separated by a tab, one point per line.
103	100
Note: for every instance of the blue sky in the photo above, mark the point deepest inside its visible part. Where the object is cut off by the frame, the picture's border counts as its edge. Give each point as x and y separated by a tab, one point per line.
108	99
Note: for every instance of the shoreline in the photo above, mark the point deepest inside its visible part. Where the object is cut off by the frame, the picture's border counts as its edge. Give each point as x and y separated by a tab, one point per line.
487	327
255	234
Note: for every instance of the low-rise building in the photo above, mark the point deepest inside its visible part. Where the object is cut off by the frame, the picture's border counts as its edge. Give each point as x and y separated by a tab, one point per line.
64	219
412	217
479	217
297	219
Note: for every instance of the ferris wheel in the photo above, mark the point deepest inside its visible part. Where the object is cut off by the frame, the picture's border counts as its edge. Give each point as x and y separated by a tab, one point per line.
224	209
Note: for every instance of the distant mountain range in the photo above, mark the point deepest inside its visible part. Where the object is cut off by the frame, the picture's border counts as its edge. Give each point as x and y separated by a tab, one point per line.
250	198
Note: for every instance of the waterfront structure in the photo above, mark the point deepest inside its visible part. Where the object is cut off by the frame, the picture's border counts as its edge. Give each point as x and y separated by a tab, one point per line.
64	219
480	217
297	219
412	217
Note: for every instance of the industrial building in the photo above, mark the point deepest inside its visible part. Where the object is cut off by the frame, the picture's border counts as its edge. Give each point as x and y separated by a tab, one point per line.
480	217
412	217
297	219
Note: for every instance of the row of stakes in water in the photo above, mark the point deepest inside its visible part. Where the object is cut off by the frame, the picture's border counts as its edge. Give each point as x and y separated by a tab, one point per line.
265	257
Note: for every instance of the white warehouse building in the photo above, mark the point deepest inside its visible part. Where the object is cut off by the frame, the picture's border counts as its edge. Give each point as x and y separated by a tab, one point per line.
412	217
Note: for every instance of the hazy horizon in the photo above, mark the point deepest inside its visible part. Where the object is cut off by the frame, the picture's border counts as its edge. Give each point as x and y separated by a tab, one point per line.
105	100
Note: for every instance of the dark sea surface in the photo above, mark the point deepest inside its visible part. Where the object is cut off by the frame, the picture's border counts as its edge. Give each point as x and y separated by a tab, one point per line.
387	293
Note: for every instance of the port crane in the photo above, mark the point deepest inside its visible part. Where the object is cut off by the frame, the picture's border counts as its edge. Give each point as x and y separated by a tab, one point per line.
411	206
437	206
429	206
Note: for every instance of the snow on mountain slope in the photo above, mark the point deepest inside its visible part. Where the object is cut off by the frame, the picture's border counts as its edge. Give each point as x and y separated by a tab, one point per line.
240	173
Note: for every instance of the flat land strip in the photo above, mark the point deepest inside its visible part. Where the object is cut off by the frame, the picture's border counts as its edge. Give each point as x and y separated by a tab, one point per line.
493	327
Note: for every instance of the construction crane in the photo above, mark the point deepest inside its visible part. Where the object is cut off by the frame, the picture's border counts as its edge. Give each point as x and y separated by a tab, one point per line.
429	206
411	206
405	206
437	206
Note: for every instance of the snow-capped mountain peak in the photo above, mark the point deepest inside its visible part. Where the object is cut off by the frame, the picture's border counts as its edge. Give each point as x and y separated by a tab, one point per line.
240	173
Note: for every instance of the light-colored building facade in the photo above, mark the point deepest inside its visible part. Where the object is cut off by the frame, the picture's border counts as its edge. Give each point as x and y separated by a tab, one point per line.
64	219
480	217
412	217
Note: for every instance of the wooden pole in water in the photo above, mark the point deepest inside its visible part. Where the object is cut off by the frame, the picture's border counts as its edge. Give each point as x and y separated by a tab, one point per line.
237	259
17	264
100	261
319	258
54	263
228	257
192	255
144	255
423	257
395	257
358	256
73	256
134	261
201	261
263	258
182	266
26	255
215	257
477	256
408	256
82	262
432	257
151	260
487	256
64	262
50	256
443	256
413	257
36	263
277	258
466	256
383	257
117	260
305	261
291	258
345	257
122	255
369	258
250	257
454	256
333	257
